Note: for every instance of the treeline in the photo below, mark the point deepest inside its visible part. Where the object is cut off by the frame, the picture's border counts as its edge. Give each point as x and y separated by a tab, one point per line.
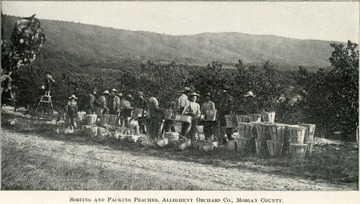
328	99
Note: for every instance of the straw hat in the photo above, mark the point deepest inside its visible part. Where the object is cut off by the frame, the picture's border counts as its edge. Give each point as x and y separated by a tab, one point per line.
250	93
139	93
106	92
129	96
185	90
120	94
193	94
114	90
73	96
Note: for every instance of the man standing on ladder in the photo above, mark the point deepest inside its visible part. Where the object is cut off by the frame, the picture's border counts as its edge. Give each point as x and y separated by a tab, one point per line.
48	81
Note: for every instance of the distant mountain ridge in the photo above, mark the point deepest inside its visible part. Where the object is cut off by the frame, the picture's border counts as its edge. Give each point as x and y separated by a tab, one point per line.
80	43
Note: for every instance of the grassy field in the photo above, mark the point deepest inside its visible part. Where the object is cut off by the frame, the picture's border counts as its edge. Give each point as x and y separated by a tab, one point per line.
35	158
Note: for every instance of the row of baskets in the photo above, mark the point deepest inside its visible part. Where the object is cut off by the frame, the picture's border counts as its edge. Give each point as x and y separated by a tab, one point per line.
274	139
232	121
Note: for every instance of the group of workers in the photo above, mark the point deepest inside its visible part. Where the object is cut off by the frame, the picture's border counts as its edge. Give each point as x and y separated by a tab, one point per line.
150	116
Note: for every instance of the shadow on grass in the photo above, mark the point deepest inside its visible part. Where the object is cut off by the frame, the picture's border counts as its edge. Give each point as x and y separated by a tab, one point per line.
335	163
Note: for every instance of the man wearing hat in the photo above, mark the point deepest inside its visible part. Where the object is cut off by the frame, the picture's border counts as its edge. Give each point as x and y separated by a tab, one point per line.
225	107
193	109
182	102
142	105
205	108
114	103
71	110
103	104
93	103
250	106
126	109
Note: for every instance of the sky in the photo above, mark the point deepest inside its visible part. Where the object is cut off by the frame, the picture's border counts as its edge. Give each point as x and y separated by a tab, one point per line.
335	21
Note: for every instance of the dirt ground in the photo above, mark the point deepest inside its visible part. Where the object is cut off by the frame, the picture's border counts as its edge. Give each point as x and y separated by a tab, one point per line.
164	165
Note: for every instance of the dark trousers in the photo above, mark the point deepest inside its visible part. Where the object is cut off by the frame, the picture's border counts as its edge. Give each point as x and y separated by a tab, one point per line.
208	130
154	128
168	126
142	125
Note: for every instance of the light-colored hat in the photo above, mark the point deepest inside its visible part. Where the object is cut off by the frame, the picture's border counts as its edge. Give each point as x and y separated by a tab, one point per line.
193	94
250	93
186	89
73	96
106	92
129	96
114	90
120	94
139	93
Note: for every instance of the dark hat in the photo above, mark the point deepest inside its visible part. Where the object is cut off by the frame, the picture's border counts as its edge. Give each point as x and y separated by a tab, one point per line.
207	94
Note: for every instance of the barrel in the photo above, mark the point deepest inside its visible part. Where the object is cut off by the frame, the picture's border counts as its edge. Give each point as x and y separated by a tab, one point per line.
90	119
255	117
245	130
268	117
298	151
230	121
243	118
274	147
297	134
309	132
277	132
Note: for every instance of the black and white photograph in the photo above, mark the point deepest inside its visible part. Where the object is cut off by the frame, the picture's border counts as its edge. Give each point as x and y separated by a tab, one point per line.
180	96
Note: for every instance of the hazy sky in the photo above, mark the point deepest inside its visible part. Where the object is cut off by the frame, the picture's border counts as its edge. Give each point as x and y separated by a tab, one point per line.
304	20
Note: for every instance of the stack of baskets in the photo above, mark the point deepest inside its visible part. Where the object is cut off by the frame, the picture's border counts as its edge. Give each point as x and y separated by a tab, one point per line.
309	138
277	134
262	135
245	143
296	140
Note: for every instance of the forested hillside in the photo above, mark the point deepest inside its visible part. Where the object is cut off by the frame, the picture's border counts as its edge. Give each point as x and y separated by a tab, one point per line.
79	45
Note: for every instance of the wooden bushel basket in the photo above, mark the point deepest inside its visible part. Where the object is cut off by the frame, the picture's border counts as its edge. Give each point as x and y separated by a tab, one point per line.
92	131
274	147
231	146
255	117
104	119
261	148
184	145
171	136
309	132
243	145
277	132
309	149
90	119
297	134
245	130
113	120
298	151
268	117
162	142
243	118
262	131
230	121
